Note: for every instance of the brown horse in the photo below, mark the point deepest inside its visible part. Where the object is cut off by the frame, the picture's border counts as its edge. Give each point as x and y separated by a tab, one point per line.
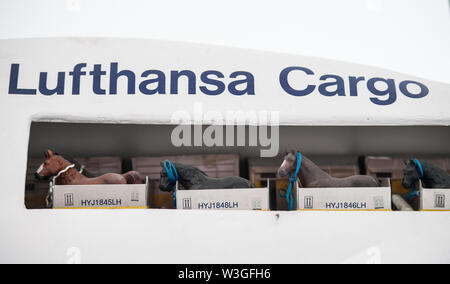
310	175
65	173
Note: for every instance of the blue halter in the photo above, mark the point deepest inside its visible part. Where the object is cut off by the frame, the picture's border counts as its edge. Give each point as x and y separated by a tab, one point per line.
172	174
292	180
413	191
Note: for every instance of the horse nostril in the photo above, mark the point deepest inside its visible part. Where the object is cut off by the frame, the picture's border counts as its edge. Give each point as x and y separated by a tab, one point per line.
37	176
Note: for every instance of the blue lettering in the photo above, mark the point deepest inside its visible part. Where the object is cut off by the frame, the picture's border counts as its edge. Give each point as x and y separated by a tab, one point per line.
13	82
59	89
97	73
383	91
339	83
353	81
175	75
423	89
291	91
76	73
114	75
390	91
160	80
220	86
373	85
249	81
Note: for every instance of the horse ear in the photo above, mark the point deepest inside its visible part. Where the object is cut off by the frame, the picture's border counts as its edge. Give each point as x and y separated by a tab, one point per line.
48	153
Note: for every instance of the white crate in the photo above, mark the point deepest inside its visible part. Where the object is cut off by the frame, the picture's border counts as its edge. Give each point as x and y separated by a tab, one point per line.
223	199
434	199
345	198
101	196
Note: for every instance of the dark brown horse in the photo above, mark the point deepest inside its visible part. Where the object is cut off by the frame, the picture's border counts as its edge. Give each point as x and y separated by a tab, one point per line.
65	173
310	175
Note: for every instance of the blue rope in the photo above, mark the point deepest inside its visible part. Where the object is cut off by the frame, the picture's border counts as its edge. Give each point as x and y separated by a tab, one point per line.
420	167
172	174
292	180
413	191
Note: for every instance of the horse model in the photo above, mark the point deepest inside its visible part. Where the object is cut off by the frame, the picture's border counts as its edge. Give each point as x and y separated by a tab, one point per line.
81	168
193	178
66	173
431	176
310	175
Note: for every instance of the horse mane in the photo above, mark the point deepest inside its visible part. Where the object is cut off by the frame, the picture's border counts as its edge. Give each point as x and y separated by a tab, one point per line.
77	164
435	169
188	175
188	167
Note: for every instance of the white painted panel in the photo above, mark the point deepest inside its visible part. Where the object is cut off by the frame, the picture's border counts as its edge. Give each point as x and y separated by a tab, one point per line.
48	236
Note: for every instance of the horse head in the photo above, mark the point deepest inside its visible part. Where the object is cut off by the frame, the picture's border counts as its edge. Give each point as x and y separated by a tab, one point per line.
411	174
188	176
289	164
52	165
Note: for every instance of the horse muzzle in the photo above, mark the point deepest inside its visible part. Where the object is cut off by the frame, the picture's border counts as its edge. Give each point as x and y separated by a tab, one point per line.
38	177
282	172
165	188
406	184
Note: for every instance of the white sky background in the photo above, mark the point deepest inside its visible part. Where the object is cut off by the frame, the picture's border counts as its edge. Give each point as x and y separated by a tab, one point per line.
409	36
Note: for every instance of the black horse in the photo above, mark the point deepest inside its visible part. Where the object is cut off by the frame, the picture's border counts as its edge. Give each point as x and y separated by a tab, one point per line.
192	178
431	176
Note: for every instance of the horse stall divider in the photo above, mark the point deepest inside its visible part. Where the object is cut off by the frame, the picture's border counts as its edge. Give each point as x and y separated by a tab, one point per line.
345	198
224	199
259	175
434	199
100	196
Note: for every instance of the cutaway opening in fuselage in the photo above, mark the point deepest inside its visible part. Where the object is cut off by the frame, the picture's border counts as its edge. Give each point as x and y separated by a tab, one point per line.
119	148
